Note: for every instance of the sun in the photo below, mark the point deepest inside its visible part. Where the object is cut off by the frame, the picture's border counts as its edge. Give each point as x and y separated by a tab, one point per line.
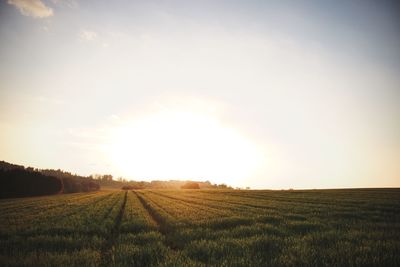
182	145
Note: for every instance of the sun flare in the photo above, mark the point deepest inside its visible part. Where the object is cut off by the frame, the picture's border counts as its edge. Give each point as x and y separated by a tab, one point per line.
182	145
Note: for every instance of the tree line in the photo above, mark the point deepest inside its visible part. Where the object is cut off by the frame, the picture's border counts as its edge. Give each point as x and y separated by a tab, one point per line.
18	181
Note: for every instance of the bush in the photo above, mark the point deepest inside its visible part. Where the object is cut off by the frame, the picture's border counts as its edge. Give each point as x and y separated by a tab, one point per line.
190	185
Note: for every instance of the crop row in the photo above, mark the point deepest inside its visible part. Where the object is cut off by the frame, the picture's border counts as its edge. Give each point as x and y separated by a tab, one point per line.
203	228
72	235
251	228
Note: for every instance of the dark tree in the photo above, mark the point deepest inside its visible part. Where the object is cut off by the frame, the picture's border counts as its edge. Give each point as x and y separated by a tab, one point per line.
23	183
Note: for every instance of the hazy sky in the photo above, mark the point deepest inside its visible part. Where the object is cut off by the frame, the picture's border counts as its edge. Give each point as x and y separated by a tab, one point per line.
267	94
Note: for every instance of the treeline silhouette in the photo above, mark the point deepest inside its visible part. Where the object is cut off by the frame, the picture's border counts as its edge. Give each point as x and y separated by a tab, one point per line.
18	181
24	183
73	183
120	183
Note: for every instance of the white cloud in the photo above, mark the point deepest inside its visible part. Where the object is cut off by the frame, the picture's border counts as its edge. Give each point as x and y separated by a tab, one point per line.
33	8
86	35
66	3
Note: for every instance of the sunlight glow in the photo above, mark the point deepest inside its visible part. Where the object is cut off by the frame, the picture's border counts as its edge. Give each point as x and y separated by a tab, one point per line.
182	145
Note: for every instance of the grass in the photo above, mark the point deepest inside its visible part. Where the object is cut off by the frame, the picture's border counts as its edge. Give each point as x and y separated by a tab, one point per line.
355	227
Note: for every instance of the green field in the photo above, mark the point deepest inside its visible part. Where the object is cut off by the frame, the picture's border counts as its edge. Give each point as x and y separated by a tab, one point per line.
357	227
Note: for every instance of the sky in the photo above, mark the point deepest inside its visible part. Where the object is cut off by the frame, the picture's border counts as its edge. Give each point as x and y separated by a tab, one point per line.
265	94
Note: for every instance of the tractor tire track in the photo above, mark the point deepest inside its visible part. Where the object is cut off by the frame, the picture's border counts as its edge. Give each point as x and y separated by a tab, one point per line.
107	249
166	229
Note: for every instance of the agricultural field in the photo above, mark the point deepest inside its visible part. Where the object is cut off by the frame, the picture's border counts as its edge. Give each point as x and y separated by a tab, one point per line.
355	227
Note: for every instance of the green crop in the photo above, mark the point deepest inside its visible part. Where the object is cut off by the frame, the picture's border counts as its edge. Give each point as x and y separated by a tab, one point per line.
358	227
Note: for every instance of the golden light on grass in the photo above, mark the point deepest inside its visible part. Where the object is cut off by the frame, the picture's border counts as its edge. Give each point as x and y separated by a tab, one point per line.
182	145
